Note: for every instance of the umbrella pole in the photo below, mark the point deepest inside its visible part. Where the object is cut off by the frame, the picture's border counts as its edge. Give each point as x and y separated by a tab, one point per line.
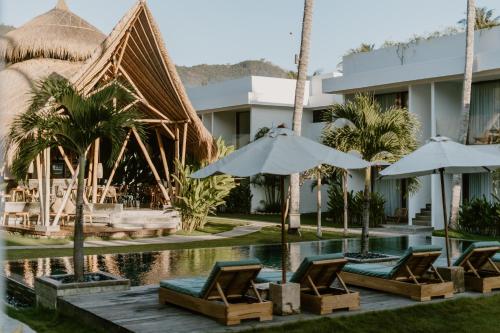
283	231
443	199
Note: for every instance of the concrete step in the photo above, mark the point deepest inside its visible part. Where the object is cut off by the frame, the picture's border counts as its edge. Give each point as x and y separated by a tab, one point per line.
424	214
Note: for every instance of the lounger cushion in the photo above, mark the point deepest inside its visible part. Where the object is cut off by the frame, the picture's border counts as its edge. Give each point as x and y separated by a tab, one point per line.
496	257
375	270
472	247
304	265
220	264
188	286
408	253
271	276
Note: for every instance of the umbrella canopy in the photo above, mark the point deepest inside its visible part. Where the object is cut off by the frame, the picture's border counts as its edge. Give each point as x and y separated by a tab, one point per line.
280	152
442	153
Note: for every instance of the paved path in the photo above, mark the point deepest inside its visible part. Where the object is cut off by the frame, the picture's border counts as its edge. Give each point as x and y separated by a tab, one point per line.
250	227
11	325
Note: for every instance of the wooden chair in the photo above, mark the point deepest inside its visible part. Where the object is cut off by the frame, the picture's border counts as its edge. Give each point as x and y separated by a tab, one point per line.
223	295
414	275
316	275
17	210
481	272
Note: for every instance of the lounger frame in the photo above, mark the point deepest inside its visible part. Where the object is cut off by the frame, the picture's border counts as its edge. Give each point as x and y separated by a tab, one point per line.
318	296
482	280
412	279
225	303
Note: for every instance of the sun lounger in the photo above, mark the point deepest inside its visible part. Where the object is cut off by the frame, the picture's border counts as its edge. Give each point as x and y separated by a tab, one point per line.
496	259
316	274
411	276
223	295
481	272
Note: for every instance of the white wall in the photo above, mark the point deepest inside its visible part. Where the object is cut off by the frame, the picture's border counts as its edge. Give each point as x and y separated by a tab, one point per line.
224	125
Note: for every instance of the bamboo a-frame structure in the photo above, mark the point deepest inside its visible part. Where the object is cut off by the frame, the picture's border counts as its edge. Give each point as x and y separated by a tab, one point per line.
135	55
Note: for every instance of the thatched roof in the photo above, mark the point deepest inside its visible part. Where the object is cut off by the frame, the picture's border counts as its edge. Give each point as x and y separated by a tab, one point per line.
146	63
57	34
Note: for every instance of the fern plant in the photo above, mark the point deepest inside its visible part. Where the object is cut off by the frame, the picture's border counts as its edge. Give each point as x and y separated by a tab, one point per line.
196	198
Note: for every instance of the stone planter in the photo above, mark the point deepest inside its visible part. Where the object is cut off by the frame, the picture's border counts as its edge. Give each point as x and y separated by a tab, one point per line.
285	298
49	288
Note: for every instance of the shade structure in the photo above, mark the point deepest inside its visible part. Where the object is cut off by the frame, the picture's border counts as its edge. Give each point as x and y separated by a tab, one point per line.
442	156
280	152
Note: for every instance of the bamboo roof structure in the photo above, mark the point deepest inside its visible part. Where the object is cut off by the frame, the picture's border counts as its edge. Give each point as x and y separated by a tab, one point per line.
61	42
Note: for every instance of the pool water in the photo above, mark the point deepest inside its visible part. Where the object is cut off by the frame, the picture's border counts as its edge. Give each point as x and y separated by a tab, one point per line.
151	267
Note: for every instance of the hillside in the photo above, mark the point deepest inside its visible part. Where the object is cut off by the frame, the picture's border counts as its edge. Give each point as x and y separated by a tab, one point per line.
200	75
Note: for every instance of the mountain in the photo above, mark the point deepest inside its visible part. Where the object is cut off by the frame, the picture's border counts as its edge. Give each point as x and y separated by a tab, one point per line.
200	75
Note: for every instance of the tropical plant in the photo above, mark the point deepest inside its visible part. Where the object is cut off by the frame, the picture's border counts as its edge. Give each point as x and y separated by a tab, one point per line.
483	18
363	47
480	216
239	199
305	41
59	115
196	198
375	134
466	97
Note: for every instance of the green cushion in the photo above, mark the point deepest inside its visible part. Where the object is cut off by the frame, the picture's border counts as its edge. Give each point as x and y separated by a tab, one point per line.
271	276
304	265
375	270
496	257
188	286
475	245
409	252
220	264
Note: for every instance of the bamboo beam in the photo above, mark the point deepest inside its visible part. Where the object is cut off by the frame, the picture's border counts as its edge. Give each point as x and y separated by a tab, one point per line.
151	165
40	192
163	159
184	142
46	181
177	142
66	197
168	130
95	162
122	52
115	166
66	160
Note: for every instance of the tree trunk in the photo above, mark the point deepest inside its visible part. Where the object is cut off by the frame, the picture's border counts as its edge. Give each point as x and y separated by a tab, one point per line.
466	94
78	233
319	233
299	106
366	212
346	208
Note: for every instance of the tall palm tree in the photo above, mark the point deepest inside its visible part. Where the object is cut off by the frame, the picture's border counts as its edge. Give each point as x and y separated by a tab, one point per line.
483	18
466	95
60	116
362	125
299	106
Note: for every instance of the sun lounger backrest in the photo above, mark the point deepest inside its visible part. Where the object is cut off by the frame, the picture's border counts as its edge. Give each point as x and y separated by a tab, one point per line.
418	259
477	254
322	270
234	278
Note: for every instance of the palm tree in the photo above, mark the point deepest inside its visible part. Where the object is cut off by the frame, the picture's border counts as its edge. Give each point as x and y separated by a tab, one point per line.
363	47
483	18
60	116
299	106
466	93
377	135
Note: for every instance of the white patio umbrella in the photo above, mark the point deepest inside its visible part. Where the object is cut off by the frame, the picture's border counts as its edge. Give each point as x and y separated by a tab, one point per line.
280	152
442	156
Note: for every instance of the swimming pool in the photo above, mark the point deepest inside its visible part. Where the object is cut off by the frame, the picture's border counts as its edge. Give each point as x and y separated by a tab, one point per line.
151	267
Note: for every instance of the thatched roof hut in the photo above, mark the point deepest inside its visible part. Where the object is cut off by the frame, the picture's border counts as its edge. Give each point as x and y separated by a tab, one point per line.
61	42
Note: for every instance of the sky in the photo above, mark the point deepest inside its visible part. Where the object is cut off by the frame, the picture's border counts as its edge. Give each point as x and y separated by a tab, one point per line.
230	31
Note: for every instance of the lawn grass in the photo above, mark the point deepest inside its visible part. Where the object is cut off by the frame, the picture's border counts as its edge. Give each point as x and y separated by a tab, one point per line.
17	240
48	321
267	235
213	226
305	219
464	315
464	235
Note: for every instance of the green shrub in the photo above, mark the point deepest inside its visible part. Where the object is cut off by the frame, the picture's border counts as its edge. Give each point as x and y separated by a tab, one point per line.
239	199
480	216
355	204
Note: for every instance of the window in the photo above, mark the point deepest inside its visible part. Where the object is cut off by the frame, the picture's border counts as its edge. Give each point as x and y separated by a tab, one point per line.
484	123
319	115
386	101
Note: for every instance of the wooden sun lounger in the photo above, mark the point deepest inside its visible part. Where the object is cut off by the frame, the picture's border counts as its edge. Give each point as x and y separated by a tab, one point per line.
481	272
496	260
316	274
223	295
409	277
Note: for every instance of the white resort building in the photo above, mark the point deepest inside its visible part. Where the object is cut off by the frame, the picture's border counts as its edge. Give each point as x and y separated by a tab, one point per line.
425	77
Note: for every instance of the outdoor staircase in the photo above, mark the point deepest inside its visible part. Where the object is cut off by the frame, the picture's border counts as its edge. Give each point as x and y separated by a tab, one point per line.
424	218
134	219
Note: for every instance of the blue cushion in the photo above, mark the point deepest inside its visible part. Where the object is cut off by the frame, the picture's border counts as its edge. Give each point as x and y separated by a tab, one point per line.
375	270
409	252
220	264
271	276
188	286
475	245
496	257
304	265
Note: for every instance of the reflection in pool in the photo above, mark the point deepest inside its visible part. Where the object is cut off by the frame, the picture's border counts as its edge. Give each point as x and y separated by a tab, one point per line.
151	267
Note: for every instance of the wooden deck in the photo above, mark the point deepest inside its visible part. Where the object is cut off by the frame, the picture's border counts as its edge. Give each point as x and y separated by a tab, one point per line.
138	310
